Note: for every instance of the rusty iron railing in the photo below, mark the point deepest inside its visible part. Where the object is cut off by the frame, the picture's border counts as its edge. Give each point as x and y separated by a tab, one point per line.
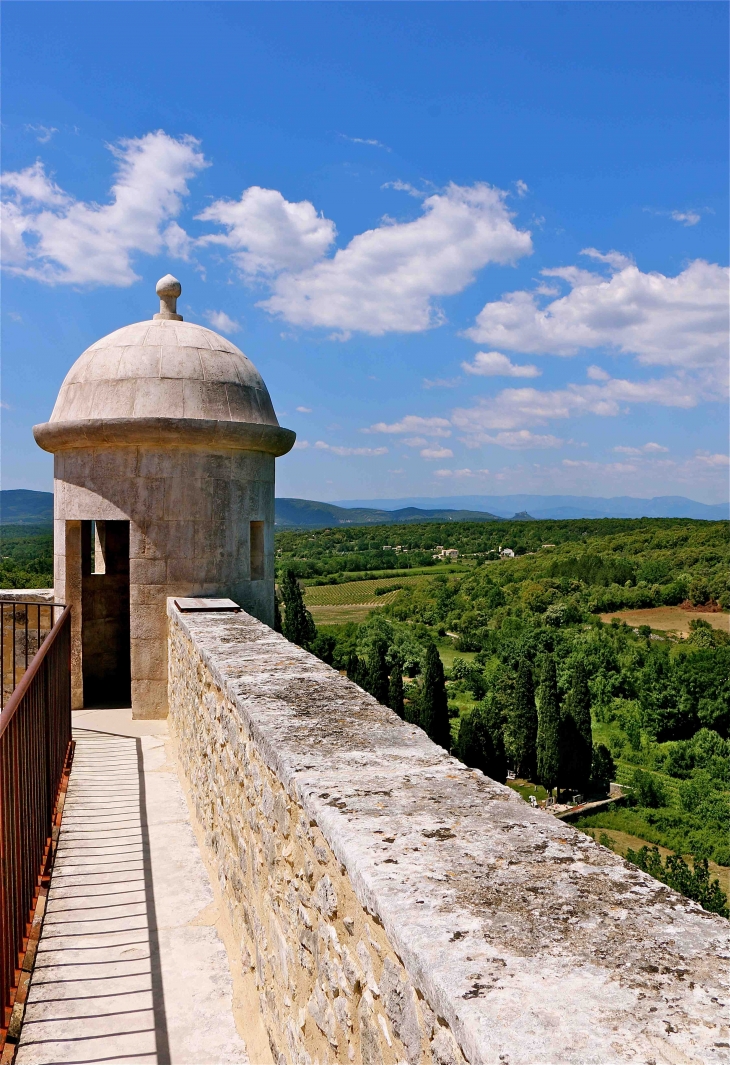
24	626
35	758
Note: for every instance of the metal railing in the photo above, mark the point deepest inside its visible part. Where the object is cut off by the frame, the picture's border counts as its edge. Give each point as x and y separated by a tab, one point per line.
35	754
23	628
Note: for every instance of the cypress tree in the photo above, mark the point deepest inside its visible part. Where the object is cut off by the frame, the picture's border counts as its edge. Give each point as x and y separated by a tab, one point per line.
548	727
298	624
523	721
480	743
353	669
378	672
495	760
576	733
277	614
465	749
434	703
395	686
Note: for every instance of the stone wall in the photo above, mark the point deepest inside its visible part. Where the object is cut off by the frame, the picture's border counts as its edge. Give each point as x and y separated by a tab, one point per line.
397	906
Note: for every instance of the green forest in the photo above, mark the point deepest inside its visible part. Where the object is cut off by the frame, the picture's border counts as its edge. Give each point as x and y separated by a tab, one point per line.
26	556
530	679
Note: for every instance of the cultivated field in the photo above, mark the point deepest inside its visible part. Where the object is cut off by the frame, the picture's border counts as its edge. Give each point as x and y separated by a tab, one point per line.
356	592
669	618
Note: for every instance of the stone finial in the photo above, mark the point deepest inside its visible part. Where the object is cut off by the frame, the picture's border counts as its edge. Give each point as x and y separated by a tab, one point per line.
168	288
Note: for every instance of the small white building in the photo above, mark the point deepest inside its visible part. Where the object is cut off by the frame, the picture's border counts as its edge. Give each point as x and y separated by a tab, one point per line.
506	552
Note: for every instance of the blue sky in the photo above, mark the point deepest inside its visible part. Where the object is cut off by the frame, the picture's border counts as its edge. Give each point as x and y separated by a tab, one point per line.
472	247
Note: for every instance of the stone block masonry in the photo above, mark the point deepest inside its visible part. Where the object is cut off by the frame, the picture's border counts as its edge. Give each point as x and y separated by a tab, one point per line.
398	907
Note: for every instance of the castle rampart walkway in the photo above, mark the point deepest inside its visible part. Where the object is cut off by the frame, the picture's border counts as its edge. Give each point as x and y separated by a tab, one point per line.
130	966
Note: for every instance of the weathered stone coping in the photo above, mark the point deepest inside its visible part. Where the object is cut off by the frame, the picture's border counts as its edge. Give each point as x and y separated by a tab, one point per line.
534	943
191	433
26	595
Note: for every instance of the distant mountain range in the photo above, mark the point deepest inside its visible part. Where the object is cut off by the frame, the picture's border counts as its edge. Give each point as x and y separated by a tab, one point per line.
560	507
23	507
20	506
296	513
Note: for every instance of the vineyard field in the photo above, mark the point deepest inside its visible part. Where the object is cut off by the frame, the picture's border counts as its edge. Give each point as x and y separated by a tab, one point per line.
354	593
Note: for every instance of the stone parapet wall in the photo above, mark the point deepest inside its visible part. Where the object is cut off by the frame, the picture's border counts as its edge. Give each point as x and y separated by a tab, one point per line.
397	906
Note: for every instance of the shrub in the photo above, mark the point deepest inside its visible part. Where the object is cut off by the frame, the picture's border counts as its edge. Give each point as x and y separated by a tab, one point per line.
647	790
603	769
675	873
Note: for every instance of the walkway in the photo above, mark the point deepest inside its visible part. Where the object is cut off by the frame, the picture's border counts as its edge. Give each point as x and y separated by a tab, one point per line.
130	966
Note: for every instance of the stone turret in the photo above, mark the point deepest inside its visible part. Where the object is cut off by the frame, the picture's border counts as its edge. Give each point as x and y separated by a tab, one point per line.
164	440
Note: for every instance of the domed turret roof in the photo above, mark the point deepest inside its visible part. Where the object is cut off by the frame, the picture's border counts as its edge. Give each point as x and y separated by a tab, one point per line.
164	369
164	379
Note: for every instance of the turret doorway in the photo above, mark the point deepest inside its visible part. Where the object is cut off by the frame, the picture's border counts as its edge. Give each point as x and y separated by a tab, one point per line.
105	630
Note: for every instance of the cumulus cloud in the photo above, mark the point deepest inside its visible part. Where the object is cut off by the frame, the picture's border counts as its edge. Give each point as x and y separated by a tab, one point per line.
304	410
461	474
645	449
268	234
687	218
51	237
672	321
42	133
440	382
608	467
386	279
521	187
220	321
516	440
431	453
704	458
346	452
413	423
515	408
494	364
404	186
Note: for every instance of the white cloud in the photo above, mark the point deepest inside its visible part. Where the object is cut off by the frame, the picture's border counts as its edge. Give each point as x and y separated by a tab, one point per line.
521	187
34	184
704	458
672	321
431	453
220	321
14	316
370	141
49	236
687	218
461	474
514	408
346	452
516	440
413	423
494	364
645	449
387	278
415	441
404	186
440	382
607	467
43	133
304	410
597	374
267	234
615	259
